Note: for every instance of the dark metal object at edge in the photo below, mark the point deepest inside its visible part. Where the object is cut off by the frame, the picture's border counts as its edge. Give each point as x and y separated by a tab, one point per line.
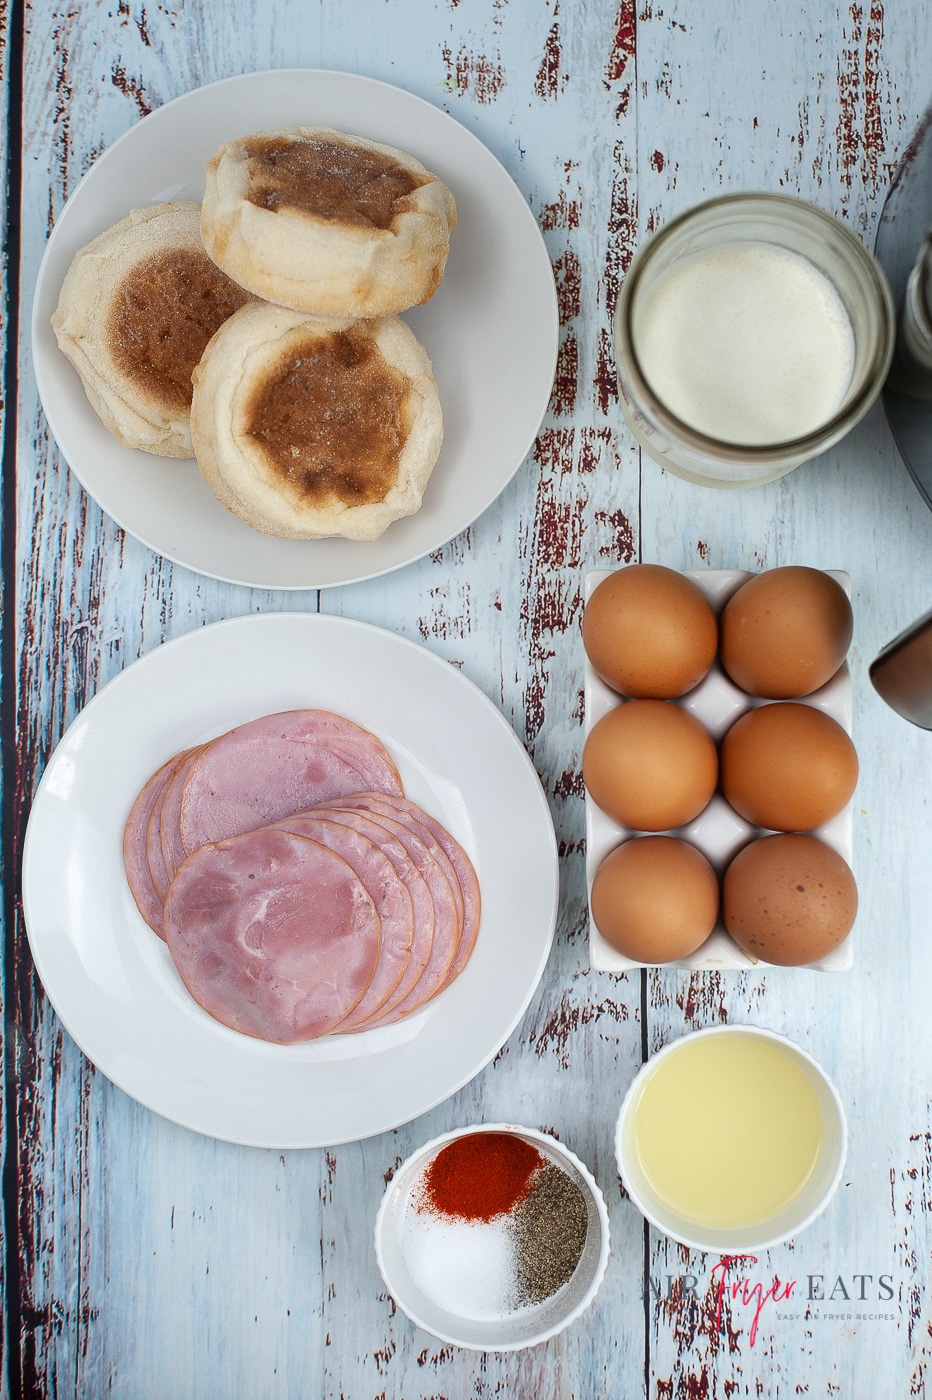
906	217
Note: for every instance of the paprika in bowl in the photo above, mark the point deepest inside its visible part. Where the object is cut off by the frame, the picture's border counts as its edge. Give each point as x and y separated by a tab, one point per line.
493	1237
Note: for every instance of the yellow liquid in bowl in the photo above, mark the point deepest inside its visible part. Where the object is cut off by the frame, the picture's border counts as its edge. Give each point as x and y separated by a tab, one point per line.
728	1130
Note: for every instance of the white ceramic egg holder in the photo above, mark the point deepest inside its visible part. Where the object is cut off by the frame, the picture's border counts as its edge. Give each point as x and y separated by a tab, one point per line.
718	831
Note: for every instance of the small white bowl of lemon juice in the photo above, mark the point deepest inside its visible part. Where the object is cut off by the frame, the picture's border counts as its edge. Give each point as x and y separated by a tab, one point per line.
731	1139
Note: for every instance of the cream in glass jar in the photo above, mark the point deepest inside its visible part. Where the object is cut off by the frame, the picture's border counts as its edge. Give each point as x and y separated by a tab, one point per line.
751	333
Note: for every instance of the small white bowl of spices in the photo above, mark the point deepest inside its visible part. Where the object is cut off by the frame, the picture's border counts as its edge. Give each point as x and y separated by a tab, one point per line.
493	1237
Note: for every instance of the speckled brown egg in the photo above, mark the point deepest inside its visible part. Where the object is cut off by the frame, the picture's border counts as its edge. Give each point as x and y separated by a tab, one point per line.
789	899
788	767
650	765
649	632
655	899
785	632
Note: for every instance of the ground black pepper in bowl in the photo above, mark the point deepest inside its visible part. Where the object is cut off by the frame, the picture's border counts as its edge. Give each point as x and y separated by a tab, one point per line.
549	1229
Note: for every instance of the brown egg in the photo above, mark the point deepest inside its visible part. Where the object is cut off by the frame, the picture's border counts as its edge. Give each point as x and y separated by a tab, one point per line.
655	899
650	765
649	632
789	899
785	632
788	767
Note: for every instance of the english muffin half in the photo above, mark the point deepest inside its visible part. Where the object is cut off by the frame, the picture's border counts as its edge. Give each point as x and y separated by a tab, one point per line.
311	427
137	307
320	221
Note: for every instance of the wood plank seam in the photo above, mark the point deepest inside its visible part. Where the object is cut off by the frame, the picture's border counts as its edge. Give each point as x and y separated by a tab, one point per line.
15	1380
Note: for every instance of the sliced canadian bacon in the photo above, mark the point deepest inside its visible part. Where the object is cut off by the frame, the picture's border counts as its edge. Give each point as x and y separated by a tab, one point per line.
389	894
465	875
276	766
139	874
168	817
378	807
273	934
448	926
468	883
418	888
174	850
160	876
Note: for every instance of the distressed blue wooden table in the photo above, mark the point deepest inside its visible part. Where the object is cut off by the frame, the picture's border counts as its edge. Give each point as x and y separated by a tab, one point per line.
149	1263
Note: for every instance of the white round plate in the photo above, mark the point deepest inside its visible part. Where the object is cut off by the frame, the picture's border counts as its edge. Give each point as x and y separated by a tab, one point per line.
490	330
112	981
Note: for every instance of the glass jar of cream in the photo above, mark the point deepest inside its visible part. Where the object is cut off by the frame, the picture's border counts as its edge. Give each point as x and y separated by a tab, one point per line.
751	334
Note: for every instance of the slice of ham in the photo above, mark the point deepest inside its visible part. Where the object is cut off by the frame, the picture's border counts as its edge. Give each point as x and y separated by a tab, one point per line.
389	894
139	874
466	880
468	883
160	878
448	926
425	919
272	934
276	766
165	849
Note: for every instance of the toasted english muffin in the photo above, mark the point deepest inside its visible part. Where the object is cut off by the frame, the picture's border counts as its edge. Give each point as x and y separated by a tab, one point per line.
137	307
320	221
310	427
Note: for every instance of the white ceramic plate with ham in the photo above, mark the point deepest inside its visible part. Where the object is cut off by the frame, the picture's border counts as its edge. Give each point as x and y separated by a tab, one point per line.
112	981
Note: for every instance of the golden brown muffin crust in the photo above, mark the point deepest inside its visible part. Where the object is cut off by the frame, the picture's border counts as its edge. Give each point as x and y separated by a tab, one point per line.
163	315
330	179
331	419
